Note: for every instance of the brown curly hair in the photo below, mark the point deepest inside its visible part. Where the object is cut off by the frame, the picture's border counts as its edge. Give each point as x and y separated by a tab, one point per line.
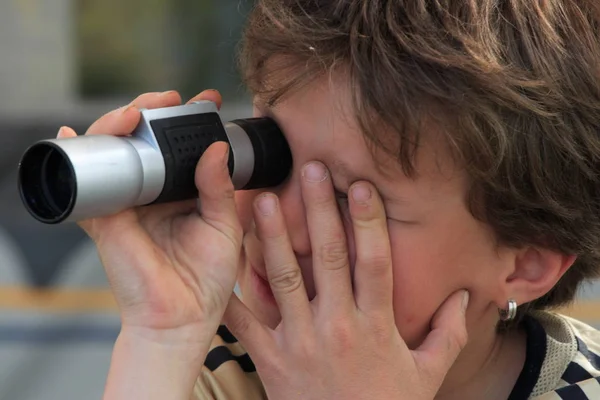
516	83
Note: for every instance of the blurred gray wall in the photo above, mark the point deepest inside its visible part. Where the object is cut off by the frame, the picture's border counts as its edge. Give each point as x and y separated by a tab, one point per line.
37	68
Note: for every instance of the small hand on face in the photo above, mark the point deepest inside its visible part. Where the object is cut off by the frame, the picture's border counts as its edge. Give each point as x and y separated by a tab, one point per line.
344	343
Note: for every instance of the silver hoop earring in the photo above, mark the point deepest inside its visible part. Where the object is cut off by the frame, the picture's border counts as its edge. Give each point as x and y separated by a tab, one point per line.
511	313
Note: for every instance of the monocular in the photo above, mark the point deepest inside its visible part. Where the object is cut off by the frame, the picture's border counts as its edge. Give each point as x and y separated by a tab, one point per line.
72	179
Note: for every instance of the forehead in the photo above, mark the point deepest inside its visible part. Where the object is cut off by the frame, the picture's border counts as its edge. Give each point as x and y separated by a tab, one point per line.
320	124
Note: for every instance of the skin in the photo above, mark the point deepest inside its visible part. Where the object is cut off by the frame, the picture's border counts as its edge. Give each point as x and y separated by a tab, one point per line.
386	298
437	246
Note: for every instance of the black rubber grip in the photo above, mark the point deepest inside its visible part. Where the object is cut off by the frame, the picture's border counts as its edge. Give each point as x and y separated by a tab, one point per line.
182	141
272	155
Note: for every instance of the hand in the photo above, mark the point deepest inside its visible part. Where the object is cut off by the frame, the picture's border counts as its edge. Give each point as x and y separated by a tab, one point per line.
344	344
172	269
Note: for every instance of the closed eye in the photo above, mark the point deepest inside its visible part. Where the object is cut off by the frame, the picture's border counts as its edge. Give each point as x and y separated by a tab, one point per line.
342	200
341	196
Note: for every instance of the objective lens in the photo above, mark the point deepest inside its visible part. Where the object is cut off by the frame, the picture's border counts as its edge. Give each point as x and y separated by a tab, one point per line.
47	188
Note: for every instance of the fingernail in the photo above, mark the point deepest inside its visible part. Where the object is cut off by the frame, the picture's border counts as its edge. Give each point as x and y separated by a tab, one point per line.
167	93
314	172
465	301
225	158
61	131
267	204
361	193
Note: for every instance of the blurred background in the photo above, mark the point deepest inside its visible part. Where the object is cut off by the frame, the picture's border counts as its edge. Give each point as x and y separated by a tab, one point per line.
66	62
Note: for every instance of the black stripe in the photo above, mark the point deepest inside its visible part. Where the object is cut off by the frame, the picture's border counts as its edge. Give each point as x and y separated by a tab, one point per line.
572	392
221	354
593	358
534	358
575	373
227	336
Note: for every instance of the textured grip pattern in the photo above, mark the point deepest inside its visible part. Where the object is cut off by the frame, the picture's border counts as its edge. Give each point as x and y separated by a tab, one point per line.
182	141
187	145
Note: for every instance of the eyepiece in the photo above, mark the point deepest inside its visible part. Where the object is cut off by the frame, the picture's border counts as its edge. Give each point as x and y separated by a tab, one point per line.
271	157
47	182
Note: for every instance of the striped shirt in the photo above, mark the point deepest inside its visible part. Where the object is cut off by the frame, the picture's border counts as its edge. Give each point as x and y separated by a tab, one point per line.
562	363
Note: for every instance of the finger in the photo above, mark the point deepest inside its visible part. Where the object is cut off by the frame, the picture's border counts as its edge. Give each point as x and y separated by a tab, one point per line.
124	224
331	268
124	120
210	95
373	280
247	329
66	132
283	272
446	340
216	192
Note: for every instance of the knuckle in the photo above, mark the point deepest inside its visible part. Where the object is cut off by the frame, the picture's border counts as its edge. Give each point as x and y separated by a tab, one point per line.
323	203
378	263
334	254
304	348
341	336
368	219
228	192
240	324
382	330
286	278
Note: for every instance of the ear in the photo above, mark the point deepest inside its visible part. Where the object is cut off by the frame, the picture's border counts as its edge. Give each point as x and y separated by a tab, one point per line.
536	271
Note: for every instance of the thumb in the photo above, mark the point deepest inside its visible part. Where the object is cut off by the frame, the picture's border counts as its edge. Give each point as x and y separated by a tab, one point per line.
216	201
448	337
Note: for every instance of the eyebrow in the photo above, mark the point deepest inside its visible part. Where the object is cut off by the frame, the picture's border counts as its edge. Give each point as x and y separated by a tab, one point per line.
345	177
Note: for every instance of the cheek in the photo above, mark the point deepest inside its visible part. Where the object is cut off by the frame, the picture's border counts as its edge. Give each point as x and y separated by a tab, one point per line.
429	265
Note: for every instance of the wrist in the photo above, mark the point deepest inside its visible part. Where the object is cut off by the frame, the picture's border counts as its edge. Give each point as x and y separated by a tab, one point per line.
153	364
163	345
181	339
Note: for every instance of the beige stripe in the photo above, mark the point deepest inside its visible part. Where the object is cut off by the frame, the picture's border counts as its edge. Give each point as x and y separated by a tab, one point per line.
74	299
584	310
59	300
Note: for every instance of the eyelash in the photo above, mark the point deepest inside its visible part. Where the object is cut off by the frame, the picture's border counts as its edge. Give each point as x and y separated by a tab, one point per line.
341	197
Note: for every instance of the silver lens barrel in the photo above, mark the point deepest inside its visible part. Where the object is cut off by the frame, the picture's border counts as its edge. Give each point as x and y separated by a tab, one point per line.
72	179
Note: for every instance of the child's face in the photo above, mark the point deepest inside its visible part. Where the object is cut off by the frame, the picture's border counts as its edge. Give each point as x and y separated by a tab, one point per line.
437	245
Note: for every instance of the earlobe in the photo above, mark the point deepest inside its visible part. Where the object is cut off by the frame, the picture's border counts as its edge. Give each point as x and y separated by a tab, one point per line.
536	272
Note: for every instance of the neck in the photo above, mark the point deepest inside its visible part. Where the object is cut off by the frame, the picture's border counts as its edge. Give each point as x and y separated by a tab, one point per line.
489	365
